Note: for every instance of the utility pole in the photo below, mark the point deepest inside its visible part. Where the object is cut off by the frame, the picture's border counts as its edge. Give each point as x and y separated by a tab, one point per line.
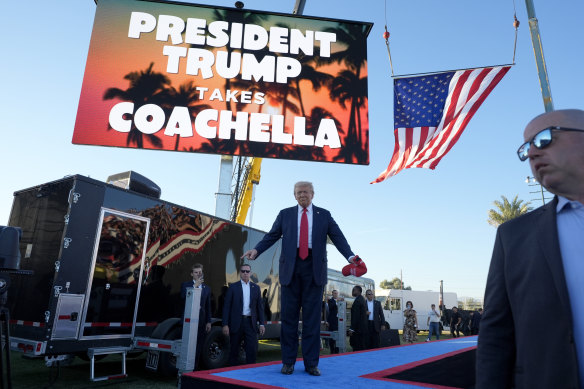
441	295
544	83
539	58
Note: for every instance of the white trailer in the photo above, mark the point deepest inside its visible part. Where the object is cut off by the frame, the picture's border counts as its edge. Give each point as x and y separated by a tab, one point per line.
394	301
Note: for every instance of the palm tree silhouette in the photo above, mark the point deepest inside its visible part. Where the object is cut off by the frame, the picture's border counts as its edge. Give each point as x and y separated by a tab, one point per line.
146	87
185	96
317	79
347	87
355	57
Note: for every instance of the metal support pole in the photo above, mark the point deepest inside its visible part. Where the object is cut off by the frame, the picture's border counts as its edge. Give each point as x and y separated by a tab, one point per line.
539	58
223	195
185	361
299	7
342	331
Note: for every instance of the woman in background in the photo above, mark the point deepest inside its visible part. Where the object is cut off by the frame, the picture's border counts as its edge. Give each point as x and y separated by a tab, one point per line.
410	324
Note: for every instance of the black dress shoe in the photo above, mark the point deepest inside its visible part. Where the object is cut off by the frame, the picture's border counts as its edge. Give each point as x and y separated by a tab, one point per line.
313	371
287	369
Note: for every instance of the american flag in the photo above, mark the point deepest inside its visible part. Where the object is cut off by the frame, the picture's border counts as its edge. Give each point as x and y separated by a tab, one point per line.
432	111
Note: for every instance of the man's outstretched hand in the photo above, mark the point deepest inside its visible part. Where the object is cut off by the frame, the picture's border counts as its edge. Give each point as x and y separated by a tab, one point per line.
250	254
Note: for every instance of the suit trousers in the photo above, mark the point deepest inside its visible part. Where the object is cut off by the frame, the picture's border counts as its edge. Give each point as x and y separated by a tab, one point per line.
247	333
372	335
303	293
201	335
333	346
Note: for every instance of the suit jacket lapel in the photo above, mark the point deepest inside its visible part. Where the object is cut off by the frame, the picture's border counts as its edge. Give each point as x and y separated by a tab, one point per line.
240	292
547	230
315	221
294	220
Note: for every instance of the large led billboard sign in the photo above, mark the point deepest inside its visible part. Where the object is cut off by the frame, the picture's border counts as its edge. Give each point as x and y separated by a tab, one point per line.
184	77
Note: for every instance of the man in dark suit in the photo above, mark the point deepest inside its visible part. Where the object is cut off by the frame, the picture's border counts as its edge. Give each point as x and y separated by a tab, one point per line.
475	321
375	320
537	265
332	319
242	309
358	328
205	307
303	272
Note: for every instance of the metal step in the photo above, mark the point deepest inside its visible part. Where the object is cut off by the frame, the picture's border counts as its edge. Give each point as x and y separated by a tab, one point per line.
92	352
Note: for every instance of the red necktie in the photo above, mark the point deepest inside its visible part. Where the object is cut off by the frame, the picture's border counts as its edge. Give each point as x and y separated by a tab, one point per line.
303	242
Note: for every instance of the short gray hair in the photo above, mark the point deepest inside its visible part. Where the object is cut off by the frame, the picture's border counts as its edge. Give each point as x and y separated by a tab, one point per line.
302	184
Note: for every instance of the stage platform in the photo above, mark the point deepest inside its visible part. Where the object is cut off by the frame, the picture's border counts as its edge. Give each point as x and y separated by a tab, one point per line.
437	364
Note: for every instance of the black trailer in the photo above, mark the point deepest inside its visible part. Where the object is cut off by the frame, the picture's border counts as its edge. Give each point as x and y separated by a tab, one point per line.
108	264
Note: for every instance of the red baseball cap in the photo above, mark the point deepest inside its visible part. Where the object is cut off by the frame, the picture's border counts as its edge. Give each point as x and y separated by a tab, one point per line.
357	268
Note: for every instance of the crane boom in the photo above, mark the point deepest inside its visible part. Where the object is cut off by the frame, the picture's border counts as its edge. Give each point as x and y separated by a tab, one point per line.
250	179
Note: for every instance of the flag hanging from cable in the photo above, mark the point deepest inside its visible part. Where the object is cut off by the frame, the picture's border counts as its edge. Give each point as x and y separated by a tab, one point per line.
431	112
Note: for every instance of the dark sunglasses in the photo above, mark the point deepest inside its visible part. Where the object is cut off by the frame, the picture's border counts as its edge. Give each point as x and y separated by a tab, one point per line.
541	140
245	271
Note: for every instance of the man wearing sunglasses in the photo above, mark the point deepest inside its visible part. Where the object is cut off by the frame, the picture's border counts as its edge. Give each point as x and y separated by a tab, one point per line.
537	266
242	309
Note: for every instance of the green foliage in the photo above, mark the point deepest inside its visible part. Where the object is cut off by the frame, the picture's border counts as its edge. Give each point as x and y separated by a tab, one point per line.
395	283
506	210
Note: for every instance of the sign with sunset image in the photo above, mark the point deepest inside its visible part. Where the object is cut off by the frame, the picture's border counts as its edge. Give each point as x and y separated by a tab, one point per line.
183	77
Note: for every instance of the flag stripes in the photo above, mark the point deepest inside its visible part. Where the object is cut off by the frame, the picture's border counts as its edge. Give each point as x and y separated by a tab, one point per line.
425	146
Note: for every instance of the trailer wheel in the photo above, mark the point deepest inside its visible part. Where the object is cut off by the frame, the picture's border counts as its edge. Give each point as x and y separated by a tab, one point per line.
167	361
215	351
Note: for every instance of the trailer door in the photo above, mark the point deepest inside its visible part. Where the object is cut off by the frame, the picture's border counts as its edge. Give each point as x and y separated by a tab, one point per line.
114	283
393	311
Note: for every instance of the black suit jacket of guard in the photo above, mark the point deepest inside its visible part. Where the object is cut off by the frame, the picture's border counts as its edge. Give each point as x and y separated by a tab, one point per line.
332	318
233	306
526	337
378	317
358	315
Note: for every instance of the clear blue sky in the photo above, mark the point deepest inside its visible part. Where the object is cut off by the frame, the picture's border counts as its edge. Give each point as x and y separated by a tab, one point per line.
430	225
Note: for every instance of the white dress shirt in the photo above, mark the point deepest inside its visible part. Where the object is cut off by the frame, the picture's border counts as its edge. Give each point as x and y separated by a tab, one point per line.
246	292
570	218
370	309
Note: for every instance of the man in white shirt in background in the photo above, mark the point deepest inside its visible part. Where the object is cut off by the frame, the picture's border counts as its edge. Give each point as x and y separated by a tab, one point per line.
433	323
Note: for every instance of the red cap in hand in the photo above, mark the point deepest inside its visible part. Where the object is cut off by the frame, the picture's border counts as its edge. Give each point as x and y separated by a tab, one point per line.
357	268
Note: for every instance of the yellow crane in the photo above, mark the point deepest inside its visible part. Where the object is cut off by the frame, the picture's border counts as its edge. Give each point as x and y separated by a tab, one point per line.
244	191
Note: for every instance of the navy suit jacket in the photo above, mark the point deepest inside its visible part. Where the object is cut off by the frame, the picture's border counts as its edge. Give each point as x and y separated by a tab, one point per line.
378	316
205	309
518	344
233	308
286	227
331	316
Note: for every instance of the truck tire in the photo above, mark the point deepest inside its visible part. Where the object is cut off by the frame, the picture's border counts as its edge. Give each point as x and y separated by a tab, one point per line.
215	350
167	361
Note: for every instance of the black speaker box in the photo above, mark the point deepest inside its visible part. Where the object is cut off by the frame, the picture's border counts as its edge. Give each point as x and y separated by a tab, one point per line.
389	338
